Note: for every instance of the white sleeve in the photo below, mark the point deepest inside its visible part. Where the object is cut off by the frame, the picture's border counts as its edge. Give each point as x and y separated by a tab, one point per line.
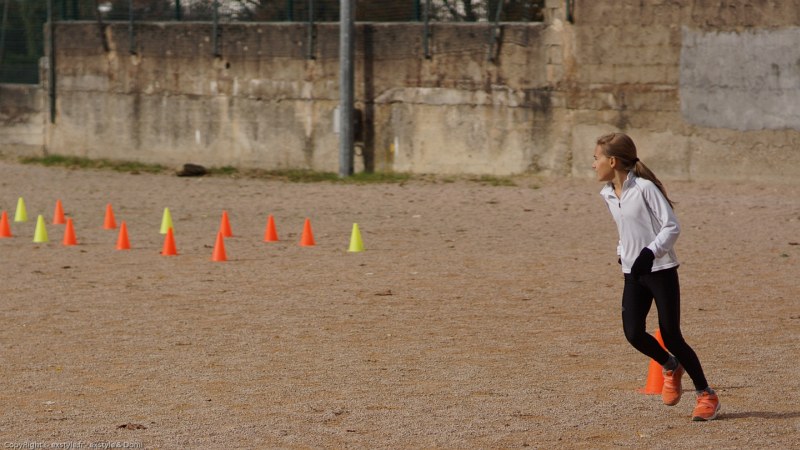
665	219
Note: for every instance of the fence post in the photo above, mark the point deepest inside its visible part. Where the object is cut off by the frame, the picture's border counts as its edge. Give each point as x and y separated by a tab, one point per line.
3	30
51	70
178	10
131	31
346	84
101	28
215	28
571	11
494	36
312	33
426	33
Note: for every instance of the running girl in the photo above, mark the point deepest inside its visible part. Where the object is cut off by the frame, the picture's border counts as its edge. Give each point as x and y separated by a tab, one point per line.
648	230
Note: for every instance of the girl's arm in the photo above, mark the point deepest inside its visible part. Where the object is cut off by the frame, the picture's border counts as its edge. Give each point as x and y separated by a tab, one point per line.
669	230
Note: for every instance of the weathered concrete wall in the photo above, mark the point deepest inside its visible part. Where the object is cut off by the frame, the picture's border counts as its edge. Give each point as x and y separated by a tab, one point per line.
747	80
262	103
647	66
21	119
662	70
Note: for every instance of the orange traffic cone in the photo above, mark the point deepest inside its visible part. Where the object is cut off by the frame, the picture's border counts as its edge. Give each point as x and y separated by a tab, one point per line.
109	223
58	215
5	228
69	234
307	239
122	240
225	225
270	234
169	245
655	377
219	249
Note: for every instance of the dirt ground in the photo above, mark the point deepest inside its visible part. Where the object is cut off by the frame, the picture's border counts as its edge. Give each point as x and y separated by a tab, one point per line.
478	317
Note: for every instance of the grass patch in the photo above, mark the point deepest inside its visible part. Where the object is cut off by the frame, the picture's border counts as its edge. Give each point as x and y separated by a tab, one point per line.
378	177
224	170
290	175
311	176
305	176
77	162
490	180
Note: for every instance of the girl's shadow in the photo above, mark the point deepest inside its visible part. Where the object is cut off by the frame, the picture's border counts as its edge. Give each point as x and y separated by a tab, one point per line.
760	415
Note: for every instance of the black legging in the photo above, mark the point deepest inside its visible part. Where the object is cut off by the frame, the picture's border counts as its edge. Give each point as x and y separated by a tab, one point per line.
636	300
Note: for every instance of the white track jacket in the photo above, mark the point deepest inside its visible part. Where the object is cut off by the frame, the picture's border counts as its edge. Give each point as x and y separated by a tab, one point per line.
644	219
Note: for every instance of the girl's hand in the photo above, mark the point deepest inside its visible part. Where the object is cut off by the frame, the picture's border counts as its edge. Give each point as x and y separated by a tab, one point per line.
644	263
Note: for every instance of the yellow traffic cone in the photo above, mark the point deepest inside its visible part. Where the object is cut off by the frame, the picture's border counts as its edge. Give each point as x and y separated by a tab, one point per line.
356	245
21	215
166	221
40	235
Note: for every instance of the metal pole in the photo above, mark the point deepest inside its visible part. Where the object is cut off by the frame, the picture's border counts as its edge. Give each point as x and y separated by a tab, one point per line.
51	72
346	85
427	29
571	11
311	31
178	10
214	28
131	31
101	28
3	30
495	32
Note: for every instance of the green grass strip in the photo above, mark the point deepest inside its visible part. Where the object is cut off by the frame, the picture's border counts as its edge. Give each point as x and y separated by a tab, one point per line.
77	162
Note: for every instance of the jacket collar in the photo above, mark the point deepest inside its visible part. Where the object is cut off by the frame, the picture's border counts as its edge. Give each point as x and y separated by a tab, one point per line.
608	189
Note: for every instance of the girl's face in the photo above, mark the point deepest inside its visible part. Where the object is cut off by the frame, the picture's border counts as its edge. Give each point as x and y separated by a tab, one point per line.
602	165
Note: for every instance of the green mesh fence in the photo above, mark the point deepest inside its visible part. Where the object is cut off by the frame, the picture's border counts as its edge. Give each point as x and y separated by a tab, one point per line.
21	39
300	10
22	21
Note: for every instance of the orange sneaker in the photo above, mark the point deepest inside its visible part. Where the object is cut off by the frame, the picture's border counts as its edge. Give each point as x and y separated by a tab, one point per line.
672	389
707	406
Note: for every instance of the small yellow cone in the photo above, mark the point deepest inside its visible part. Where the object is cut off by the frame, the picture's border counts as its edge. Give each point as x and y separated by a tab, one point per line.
21	215
40	235
356	245
166	221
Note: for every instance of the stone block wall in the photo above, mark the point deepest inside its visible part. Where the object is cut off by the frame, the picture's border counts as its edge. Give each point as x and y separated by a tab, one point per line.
706	89
652	68
262	103
22	119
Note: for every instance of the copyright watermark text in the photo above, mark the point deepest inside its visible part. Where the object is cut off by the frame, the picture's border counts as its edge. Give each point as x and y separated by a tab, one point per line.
28	445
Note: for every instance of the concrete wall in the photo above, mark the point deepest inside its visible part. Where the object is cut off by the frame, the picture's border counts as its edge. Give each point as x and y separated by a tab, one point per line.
262	103
747	80
22	120
664	71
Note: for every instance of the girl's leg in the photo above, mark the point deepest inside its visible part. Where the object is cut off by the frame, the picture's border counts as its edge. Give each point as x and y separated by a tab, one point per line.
636	301
665	287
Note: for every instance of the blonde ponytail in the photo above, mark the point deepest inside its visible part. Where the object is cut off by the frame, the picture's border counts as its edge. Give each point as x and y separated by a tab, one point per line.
621	147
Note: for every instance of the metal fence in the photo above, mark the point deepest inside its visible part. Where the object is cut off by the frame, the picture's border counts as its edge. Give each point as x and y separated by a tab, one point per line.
22	21
298	10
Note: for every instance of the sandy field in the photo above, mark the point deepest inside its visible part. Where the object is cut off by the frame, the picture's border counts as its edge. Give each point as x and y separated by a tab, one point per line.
479	316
